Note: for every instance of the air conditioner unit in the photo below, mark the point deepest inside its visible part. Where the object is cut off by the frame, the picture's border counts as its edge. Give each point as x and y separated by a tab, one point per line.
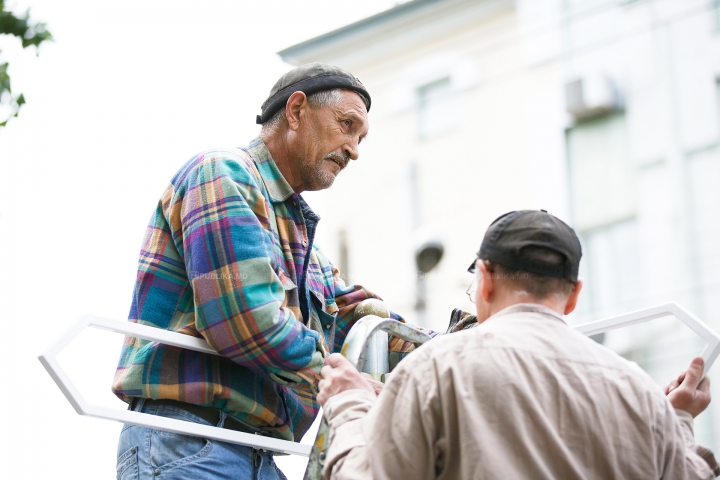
591	96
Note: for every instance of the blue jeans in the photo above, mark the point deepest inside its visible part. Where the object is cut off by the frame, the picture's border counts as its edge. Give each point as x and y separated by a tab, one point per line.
145	453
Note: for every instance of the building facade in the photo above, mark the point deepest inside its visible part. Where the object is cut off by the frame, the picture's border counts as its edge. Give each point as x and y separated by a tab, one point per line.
606	113
447	150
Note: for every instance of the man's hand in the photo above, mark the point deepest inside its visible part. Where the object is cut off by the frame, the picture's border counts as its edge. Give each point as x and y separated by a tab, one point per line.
688	392
377	386
339	375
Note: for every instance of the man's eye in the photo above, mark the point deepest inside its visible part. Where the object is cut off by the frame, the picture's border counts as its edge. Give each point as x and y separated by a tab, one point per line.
347	123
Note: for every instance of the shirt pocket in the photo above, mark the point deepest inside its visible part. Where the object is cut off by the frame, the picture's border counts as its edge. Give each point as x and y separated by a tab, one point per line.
326	317
291	295
331	307
323	305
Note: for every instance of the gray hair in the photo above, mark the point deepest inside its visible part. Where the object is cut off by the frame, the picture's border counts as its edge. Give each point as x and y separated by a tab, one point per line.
320	99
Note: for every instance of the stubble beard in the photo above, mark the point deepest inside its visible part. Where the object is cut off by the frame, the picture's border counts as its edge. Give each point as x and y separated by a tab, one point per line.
314	174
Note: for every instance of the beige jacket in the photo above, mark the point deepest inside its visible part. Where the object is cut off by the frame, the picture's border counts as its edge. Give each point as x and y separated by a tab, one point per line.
521	396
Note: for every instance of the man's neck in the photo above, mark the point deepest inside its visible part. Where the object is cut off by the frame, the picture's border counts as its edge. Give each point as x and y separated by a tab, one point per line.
513	298
280	153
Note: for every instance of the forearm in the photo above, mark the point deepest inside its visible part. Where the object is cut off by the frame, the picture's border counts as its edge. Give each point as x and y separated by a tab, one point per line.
699	460
391	429
219	216
253	329
347	453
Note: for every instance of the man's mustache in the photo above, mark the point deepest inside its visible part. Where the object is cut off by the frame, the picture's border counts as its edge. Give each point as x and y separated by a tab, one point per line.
341	159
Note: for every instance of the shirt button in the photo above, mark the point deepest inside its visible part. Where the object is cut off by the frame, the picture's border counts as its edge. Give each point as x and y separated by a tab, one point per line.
327	326
304	243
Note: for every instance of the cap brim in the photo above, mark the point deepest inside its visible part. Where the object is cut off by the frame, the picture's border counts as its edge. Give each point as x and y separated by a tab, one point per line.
309	86
472	266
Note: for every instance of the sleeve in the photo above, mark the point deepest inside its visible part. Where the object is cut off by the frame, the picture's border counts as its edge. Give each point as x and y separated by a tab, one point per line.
398	348
220	213
700	461
681	456
392	430
461	320
347	456
401	430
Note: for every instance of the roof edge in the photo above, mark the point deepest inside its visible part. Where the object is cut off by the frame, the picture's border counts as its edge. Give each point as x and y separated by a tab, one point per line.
301	49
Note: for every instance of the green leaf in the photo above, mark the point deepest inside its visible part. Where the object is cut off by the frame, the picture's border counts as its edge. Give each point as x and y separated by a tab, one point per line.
29	33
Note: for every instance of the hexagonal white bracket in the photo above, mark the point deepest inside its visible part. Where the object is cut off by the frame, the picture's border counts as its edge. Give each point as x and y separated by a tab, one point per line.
51	364
709	354
49	361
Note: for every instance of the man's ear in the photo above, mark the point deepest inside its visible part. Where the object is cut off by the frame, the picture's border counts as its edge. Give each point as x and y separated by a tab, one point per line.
487	282
573	298
294	109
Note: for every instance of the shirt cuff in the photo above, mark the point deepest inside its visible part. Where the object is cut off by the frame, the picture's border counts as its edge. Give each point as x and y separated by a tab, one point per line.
348	405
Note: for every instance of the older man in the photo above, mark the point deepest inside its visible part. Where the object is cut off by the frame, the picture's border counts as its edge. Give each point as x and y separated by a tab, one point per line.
229	257
521	395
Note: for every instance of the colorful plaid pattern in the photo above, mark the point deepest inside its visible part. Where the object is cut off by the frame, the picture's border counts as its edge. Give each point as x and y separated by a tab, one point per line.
228	256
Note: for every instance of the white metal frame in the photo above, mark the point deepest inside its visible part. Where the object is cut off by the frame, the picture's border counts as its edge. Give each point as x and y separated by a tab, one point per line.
53	367
51	364
709	353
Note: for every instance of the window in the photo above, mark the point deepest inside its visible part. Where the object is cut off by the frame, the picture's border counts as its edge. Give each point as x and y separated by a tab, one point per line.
601	175
603	207
437	108
611	268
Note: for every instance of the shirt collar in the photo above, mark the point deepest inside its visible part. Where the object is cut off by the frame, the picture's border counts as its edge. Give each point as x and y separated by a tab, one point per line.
278	188
528	308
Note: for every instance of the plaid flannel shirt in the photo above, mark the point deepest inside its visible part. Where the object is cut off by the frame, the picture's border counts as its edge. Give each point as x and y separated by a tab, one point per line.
228	256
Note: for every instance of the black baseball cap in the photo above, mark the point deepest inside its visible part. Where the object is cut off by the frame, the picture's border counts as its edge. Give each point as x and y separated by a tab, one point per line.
509	234
310	78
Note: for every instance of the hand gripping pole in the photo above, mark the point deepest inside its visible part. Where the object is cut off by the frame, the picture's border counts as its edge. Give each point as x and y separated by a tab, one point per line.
361	336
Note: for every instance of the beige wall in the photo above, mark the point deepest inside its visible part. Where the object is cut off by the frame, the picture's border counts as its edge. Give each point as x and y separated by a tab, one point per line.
466	177
643	195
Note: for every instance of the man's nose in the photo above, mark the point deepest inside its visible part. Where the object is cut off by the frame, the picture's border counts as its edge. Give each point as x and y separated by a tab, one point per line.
351	148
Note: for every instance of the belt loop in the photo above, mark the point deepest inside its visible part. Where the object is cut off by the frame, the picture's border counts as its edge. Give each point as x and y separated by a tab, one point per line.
223	416
255	456
136	404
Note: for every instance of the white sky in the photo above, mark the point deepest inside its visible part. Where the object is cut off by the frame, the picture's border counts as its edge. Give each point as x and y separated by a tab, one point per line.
123	97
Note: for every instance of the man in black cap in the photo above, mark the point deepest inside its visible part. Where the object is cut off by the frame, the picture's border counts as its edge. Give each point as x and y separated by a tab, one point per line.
517	394
229	257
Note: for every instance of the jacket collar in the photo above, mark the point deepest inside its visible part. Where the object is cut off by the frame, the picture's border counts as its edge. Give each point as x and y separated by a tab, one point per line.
278	188
528	308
